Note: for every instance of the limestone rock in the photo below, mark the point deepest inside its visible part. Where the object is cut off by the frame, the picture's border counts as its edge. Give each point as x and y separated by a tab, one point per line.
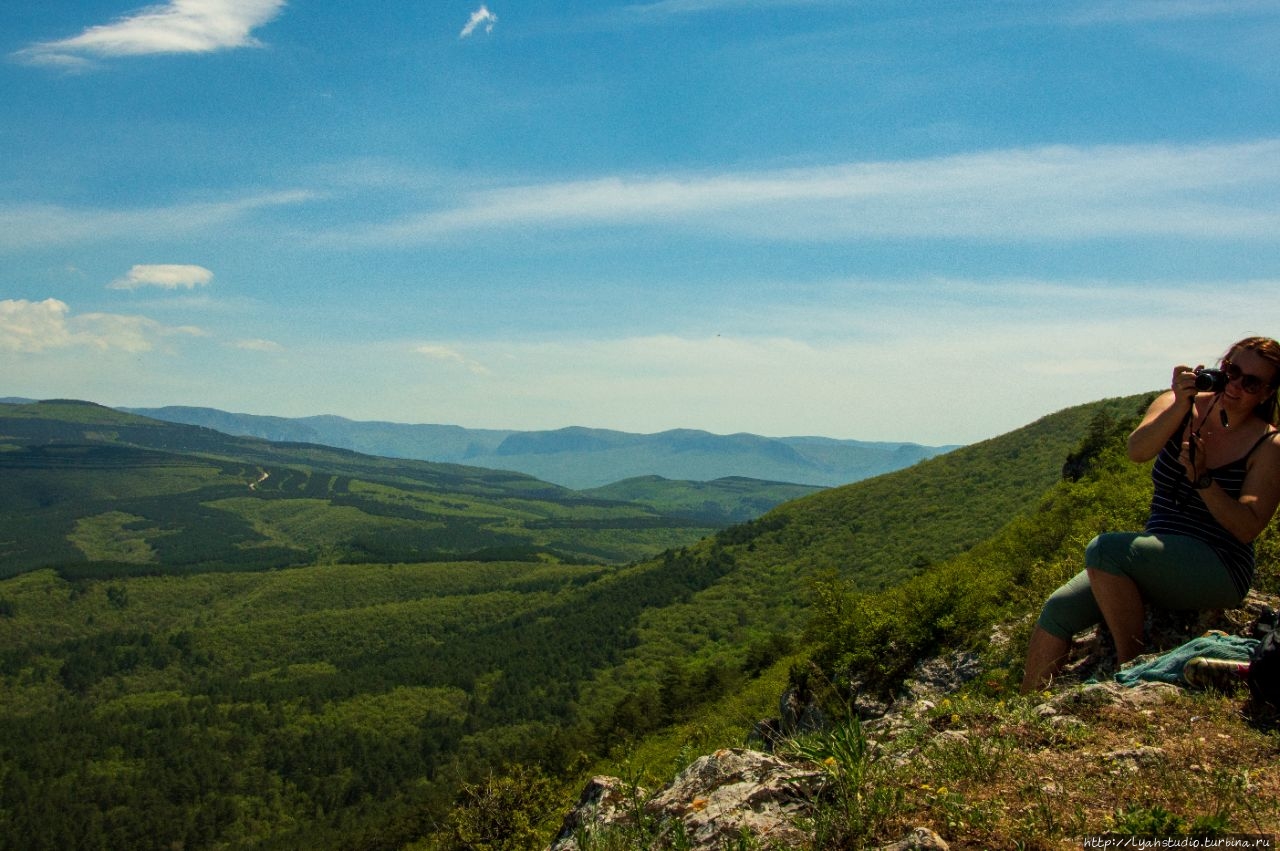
1110	693
941	675
605	801
920	839
1143	756
714	801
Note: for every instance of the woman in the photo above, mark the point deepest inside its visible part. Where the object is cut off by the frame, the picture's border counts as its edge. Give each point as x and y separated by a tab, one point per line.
1217	484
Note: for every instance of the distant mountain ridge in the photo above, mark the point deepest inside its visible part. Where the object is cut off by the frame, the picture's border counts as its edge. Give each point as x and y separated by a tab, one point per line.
578	457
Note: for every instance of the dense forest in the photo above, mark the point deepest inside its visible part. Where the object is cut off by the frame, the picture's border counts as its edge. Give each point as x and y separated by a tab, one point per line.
341	704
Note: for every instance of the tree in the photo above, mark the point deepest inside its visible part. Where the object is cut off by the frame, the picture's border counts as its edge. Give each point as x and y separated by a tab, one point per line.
502	813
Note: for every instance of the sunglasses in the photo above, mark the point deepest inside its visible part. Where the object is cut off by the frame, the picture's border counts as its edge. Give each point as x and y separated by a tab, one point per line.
1249	383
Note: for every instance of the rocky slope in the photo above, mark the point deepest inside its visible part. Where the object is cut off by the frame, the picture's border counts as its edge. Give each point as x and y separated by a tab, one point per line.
953	763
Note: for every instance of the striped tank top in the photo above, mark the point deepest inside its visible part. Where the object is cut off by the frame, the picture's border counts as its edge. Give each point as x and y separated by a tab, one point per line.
1178	509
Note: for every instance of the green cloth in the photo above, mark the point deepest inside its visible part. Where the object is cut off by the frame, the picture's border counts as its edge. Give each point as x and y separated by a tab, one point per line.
1167	668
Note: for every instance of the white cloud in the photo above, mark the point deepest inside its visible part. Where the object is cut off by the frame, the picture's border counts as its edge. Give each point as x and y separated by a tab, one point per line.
258	346
1052	193
27	326
179	26
447	354
481	17
166	276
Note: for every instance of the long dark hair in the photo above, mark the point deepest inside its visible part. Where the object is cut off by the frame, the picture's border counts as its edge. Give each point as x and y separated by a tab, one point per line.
1269	350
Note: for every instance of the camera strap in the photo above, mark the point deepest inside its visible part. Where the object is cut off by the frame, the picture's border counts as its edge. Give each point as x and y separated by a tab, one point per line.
1195	432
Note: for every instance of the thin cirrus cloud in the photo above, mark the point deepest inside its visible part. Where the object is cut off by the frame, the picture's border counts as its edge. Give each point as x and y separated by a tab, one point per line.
688	7
446	354
179	26
24	226
38	326
166	276
256	345
1048	194
1146	11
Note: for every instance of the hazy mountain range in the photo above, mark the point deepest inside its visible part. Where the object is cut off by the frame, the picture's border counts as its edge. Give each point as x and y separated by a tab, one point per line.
580	457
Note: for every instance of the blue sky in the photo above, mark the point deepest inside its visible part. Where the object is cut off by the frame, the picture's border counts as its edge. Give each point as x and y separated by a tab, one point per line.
928	221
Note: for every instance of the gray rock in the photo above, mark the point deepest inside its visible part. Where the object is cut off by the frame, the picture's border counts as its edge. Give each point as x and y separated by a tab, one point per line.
715	800
920	839
604	802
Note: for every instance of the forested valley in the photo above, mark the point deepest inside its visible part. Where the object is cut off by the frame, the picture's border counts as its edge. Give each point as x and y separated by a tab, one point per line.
332	699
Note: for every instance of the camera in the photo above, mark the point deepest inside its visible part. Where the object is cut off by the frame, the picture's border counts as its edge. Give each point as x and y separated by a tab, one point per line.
1211	380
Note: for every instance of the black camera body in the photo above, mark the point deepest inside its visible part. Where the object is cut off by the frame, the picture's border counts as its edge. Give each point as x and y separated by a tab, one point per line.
1211	380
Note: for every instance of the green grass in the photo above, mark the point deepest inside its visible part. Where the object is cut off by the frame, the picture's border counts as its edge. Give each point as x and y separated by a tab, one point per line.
113	536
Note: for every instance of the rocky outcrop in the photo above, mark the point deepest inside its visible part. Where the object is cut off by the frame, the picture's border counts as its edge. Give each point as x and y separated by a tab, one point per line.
733	793
715	801
606	803
719	797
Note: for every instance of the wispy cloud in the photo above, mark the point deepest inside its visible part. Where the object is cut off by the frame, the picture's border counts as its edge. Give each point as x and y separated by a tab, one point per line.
481	17
447	354
689	7
258	346
179	26
166	276
1052	193
34	225
1151	11
37	326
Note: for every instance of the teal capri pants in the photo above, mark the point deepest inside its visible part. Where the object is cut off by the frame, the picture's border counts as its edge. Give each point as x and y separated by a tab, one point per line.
1172	571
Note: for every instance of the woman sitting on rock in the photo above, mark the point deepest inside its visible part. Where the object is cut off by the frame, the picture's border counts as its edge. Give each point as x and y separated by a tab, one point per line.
1217	485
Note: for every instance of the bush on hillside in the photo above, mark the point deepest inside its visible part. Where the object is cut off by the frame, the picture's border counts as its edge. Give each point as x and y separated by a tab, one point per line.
871	641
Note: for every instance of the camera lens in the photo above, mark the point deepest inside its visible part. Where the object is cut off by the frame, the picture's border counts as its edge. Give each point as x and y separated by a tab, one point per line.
1211	380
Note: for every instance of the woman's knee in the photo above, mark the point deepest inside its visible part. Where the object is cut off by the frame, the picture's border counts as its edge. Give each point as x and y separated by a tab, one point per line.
1110	552
1070	609
1055	619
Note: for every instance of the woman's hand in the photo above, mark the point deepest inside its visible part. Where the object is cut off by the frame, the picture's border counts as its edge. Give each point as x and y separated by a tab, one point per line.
1183	384
1164	416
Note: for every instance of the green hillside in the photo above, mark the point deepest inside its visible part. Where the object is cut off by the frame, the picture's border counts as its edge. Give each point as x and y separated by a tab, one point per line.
342	705
96	492
718	502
